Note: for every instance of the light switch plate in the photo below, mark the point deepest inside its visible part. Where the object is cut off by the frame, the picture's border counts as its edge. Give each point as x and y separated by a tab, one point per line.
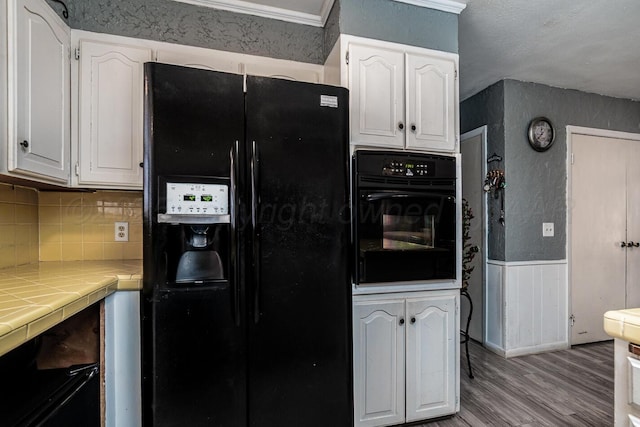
547	229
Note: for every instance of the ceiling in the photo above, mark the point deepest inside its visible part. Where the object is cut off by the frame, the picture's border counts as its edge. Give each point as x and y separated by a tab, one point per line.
588	45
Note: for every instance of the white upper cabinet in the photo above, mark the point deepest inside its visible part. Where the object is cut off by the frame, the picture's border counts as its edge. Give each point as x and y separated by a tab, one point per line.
38	61
197	57
431	103
376	81
402	97
110	114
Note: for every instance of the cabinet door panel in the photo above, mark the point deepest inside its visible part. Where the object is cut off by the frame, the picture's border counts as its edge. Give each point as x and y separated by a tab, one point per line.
186	57
43	92
432	362
431	103
376	80
378	361
111	112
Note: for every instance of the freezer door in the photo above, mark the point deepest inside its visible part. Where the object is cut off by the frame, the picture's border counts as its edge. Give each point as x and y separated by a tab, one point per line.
300	301
199	358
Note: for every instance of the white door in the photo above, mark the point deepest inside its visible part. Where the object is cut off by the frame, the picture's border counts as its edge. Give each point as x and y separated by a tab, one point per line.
111	113
633	224
378	362
376	84
432	357
598	227
472	148
42	136
431	103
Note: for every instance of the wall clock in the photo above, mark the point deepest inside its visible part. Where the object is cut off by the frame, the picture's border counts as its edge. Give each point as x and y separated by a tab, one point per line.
541	134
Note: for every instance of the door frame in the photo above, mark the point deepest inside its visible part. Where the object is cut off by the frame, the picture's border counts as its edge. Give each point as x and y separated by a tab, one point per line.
571	131
481	131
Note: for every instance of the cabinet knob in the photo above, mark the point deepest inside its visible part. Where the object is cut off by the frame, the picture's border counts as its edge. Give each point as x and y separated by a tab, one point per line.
141	164
402	321
413	320
413	128
25	144
623	244
632	244
400	125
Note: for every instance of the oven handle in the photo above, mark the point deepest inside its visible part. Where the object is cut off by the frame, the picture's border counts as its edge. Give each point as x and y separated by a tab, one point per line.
371	197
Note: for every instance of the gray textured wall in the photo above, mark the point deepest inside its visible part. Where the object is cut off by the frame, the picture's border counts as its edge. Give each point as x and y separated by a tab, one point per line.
536	182
182	23
487	108
400	23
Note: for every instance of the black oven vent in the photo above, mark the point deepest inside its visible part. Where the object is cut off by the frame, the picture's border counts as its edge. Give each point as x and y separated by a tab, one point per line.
408	182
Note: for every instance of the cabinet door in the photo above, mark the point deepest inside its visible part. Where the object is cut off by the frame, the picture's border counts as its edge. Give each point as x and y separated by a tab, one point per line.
376	83
196	58
378	362
111	113
432	356
431	103
41	111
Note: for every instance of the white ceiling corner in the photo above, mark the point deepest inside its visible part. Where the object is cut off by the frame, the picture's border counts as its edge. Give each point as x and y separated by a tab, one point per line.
306	12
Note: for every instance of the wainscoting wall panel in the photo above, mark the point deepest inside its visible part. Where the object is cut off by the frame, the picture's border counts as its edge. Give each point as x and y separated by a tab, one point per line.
526	307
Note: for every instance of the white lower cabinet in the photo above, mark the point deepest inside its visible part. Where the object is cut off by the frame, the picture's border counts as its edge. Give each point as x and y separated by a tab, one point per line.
406	357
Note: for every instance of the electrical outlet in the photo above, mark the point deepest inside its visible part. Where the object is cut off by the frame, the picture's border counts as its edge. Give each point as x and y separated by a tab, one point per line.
121	232
547	229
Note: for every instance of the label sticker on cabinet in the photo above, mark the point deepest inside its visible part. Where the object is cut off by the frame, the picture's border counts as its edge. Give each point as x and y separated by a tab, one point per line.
328	101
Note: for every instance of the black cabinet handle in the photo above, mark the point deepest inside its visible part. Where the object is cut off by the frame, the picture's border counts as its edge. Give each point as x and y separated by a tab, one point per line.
25	144
413	320
141	164
623	244
400	125
413	128
632	244
402	321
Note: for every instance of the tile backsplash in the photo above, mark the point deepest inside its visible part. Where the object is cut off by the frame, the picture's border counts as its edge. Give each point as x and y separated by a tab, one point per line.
80	226
18	225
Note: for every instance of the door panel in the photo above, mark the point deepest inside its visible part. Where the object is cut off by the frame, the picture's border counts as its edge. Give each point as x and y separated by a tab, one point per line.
300	347
379	361
431	357
430	103
598	223
43	93
376	77
633	224
472	180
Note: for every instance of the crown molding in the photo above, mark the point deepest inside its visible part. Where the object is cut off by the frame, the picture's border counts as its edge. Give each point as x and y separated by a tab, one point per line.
271	12
443	5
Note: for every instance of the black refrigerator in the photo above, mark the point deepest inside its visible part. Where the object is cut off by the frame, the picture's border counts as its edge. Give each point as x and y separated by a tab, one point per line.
247	299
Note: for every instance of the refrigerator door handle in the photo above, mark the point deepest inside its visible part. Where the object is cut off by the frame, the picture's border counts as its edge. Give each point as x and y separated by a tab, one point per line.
255	234
234	233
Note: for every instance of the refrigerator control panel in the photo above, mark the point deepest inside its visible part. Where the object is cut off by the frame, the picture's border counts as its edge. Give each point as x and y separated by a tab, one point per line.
197	199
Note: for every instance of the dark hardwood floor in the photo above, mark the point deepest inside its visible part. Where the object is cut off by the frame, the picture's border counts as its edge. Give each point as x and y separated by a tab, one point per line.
563	388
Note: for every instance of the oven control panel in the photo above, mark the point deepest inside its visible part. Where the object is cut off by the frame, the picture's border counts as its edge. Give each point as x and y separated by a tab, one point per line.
197	199
408	168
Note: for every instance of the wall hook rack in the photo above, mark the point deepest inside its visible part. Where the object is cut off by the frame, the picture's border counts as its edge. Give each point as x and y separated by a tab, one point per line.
494	158
65	12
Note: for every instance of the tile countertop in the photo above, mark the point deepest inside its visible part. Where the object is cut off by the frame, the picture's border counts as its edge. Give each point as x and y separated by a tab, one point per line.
35	297
623	324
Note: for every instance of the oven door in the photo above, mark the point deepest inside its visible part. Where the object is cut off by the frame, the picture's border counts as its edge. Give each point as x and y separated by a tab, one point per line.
404	236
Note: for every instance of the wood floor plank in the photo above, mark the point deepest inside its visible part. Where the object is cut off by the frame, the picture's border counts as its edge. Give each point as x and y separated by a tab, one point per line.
564	388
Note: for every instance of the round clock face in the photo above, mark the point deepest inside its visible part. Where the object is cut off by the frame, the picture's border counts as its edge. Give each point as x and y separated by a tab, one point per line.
541	134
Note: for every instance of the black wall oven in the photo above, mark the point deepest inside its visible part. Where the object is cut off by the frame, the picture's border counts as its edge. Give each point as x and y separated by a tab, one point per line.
404	217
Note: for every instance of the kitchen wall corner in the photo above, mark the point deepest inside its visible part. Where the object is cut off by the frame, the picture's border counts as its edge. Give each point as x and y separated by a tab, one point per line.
18	225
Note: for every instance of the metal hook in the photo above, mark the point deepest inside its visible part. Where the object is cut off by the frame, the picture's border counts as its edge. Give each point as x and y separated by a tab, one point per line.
65	12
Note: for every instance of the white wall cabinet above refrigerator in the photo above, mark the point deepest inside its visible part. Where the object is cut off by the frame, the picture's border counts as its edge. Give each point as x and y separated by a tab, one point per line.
405	357
35	81
401	96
